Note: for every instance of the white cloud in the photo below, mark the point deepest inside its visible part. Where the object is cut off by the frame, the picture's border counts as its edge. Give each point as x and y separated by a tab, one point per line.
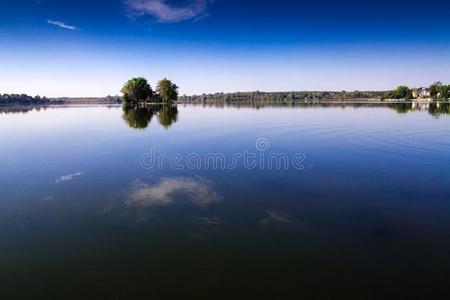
196	190
61	25
68	177
166	13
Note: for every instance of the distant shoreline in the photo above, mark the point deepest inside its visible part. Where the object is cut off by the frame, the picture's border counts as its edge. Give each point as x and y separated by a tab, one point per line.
437	92
257	98
225	102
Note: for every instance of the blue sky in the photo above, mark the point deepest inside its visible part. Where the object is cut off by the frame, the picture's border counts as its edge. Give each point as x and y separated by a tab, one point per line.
90	48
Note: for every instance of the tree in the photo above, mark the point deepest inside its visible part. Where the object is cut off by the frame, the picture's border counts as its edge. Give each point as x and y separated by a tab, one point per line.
167	90
402	92
439	91
435	89
137	90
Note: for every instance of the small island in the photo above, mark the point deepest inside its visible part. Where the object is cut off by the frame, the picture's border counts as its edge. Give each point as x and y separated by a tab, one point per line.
138	91
141	103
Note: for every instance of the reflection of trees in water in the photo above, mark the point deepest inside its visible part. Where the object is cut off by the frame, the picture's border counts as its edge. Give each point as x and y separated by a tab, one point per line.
20	109
437	109
168	115
434	108
401	108
139	117
14	109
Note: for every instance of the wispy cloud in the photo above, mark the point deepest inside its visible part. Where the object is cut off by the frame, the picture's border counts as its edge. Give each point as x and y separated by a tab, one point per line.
61	25
196	190
166	13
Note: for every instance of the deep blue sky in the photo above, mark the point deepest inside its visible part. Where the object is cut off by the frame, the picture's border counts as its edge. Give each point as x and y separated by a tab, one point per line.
82	48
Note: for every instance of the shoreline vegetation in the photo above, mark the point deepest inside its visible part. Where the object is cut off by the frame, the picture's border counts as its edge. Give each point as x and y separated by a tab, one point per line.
138	91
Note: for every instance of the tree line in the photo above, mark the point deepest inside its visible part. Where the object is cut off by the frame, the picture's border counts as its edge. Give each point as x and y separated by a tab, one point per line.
25	100
16	99
283	97
436	91
138	90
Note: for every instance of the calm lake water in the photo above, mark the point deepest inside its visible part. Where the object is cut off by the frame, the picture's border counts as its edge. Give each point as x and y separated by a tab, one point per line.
333	203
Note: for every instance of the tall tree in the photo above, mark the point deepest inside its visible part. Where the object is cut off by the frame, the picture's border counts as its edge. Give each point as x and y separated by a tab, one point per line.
137	90
402	92
439	91
435	89
167	90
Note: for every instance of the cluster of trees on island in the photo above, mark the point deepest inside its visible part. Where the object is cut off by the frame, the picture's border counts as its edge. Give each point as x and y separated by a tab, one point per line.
141	103
138	90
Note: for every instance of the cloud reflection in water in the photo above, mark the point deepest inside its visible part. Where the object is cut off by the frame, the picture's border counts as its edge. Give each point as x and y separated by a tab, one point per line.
198	191
67	177
273	217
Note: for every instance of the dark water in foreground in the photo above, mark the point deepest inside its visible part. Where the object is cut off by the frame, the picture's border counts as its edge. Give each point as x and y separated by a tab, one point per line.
364	211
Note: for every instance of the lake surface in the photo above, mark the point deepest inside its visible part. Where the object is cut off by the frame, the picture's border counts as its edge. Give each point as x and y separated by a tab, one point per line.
317	202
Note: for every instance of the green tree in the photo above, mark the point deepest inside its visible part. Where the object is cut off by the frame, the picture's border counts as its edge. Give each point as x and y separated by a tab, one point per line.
446	92
167	90
435	89
137	90
402	92
439	91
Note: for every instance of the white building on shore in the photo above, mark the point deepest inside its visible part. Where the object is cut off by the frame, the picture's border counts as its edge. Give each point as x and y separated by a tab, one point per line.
421	93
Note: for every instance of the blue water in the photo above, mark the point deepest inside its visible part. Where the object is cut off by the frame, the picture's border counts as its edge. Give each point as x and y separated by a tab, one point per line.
365	212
